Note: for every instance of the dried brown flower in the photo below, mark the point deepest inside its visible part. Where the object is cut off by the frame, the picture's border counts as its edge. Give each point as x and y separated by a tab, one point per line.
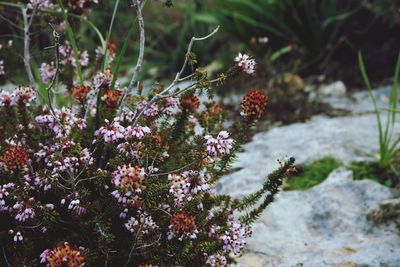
253	105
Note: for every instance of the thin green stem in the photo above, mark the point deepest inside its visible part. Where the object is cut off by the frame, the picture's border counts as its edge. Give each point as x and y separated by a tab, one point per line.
71	36
105	45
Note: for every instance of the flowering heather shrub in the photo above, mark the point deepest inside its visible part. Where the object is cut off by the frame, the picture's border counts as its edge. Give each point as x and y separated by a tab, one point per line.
117	178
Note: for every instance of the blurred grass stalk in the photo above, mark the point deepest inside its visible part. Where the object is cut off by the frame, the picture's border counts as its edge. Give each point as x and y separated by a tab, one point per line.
388	145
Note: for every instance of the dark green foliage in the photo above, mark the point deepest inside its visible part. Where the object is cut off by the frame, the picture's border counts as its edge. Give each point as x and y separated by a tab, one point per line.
388	176
271	188
309	175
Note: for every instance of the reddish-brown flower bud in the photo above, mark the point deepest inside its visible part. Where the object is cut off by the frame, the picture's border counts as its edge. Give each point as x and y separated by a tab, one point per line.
15	157
190	103
183	223
80	92
112	47
66	255
111	97
216	109
253	105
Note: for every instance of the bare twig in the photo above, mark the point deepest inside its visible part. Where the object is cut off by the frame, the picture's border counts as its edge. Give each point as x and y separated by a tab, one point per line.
138	7
179	169
164	93
5	257
189	50
56	46
27	25
133	247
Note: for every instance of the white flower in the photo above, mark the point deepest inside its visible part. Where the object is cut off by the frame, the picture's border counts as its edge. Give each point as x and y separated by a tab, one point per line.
245	63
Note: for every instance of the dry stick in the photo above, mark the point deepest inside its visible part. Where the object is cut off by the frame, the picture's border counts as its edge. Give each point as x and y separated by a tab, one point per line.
139	61
178	169
27	26
5	257
177	77
133	247
56	37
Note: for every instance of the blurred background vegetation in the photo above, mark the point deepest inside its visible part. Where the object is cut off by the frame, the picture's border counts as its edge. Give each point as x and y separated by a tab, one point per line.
295	42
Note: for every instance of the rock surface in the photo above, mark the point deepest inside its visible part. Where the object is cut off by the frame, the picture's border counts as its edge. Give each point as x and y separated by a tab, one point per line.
345	138
325	225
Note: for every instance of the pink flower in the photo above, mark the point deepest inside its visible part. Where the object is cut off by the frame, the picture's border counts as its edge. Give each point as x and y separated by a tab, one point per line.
68	56
111	132
137	132
145	223
47	72
62	122
45	255
221	145
76	207
24	95
103	79
40	4
150	110
245	63
23	212
185	186
216	260
6	99
170	107
234	238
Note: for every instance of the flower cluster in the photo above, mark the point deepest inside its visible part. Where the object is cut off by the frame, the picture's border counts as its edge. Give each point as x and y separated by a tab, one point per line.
111	132
235	238
47	72
129	181
68	56
103	80
246	63
22	95
15	158
40	4
62	122
112	47
186	185
253	105
221	145
182	226
80	93
144	223
63	255
126	179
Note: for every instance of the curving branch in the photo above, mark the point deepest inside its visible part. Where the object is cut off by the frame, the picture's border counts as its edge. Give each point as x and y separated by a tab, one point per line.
56	46
138	7
27	26
164	93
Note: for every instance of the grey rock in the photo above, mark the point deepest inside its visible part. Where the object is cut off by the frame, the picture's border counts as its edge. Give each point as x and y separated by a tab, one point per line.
345	138
324	226
334	89
359	102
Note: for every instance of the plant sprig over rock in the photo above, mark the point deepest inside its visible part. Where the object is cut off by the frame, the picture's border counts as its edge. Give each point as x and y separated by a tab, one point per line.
118	178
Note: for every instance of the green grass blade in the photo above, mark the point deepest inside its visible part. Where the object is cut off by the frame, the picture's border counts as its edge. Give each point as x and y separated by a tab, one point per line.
122	53
105	46
71	37
394	96
377	113
391	114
